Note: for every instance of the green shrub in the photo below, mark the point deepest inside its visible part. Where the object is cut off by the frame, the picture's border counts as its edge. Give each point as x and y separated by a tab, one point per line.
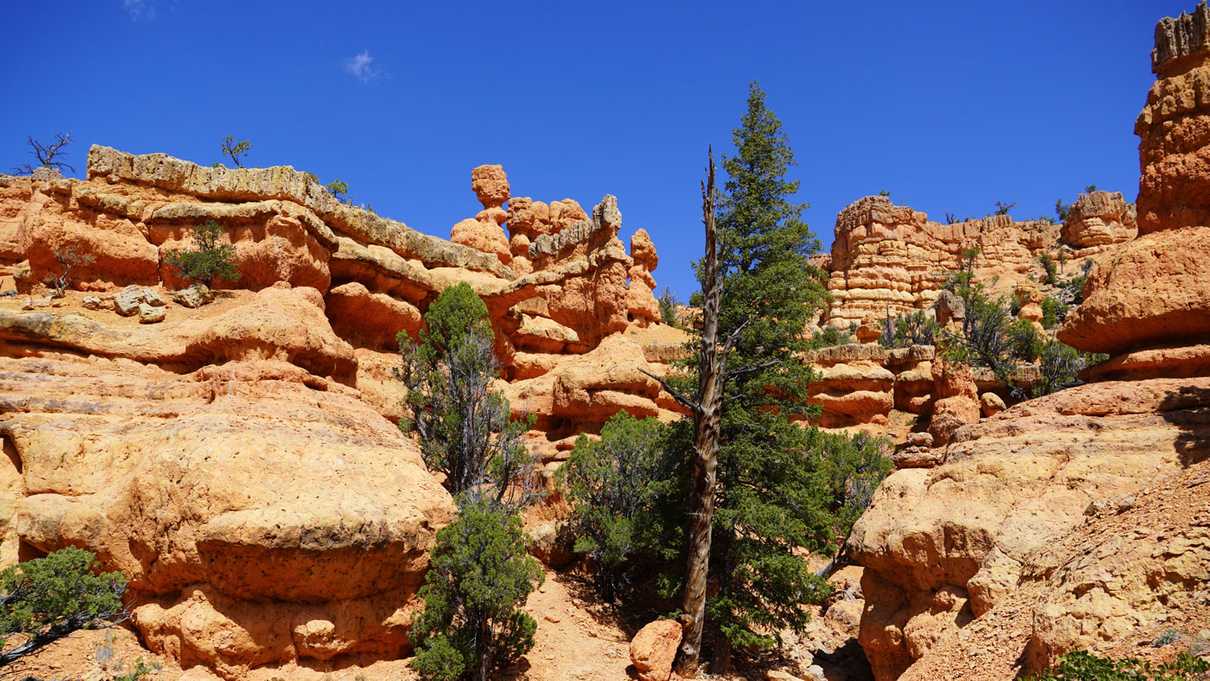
829	336
1027	343
472	625
619	487
1083	666
338	188
913	328
1053	312
1060	367
236	151
44	599
464	427
209	259
1050	267
668	309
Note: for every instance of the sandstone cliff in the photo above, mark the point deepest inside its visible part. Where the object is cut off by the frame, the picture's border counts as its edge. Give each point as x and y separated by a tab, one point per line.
238	460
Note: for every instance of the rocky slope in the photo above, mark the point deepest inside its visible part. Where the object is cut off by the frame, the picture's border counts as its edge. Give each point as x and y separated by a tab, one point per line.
238	461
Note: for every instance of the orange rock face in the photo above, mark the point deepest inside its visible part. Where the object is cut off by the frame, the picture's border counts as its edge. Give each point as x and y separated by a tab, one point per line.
944	545
239	460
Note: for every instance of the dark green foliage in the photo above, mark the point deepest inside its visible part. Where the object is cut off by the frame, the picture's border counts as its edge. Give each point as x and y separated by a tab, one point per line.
850	468
47	598
1027	343
668	307
912	328
1090	189
1060	366
831	335
885	194
1050	268
771	494
472	625
620	488
1062	210
1003	208
209	259
1083	666
1053	312
338	188
464	427
235	151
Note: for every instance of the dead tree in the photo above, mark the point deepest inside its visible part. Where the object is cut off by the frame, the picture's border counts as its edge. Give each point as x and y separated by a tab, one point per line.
706	408
47	155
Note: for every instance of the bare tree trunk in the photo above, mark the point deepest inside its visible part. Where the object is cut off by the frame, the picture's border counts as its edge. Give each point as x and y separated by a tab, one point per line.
705	444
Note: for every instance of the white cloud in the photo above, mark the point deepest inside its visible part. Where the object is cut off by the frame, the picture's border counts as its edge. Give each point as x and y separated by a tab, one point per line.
139	9
361	66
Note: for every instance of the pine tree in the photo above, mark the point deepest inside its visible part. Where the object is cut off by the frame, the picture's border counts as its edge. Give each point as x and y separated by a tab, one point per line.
770	497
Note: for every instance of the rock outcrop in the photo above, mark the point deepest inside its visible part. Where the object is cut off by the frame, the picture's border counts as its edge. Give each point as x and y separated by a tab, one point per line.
237	459
1025	531
890	260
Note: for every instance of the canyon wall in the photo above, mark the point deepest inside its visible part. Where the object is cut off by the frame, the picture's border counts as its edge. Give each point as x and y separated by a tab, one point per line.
238	460
890	260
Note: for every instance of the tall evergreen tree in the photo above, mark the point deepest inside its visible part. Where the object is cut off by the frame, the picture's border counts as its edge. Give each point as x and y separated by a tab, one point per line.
770	496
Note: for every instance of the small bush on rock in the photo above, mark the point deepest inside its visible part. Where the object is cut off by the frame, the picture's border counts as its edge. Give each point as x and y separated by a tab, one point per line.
913	328
209	259
1083	666
480	575
44	599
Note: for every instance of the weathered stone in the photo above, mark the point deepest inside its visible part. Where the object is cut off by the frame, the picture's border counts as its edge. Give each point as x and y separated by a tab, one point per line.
151	314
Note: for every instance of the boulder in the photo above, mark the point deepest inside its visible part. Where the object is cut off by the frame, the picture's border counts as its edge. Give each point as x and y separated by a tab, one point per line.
194	296
642	250
151	314
128	300
265	465
653	649
1150	292
1099	219
990	404
490	184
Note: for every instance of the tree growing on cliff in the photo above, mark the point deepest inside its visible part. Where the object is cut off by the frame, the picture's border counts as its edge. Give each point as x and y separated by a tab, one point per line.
209	259
235	150
1003	208
464	427
44	599
339	189
472	625
47	155
69	259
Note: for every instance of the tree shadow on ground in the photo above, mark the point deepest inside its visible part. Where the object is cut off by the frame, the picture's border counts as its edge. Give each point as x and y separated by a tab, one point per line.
1188	408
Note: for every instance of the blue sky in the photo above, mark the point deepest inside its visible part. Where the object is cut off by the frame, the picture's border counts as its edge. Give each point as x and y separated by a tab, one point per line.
950	106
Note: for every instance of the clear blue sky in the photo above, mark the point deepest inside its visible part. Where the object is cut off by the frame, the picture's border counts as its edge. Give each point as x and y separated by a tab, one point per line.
950	106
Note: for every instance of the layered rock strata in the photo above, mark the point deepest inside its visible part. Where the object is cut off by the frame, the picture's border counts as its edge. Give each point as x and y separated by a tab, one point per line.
238	460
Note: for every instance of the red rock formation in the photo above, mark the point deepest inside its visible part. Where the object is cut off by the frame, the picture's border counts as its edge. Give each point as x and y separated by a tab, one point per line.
233	459
995	536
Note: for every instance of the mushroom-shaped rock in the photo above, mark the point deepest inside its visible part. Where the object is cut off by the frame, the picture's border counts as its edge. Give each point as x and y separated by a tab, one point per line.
653	649
490	184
